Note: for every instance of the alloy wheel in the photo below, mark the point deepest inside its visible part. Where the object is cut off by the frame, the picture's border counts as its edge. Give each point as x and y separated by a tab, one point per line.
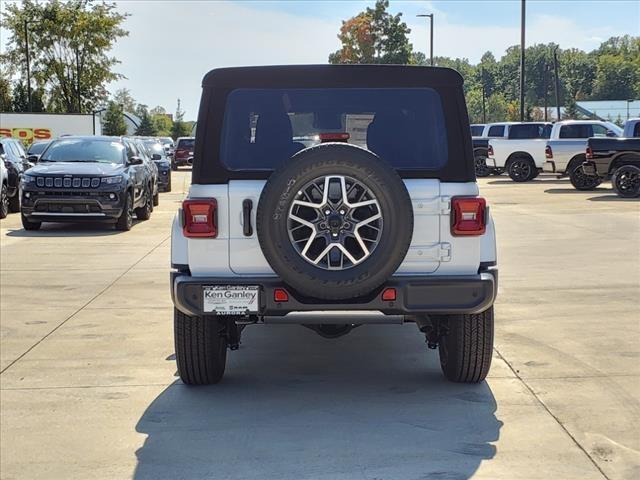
335	222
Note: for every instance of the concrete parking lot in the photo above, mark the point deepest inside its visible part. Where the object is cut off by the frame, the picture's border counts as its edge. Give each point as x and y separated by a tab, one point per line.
88	372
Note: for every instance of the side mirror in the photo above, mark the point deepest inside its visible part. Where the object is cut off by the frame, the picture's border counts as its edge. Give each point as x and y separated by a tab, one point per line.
33	158
611	134
156	156
190	160
135	161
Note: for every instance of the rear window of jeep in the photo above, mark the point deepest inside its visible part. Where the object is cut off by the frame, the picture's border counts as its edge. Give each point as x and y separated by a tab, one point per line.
264	127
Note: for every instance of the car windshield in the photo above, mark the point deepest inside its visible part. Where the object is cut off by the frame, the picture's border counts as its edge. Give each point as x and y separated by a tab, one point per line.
166	141
84	150
154	147
187	143
37	148
264	127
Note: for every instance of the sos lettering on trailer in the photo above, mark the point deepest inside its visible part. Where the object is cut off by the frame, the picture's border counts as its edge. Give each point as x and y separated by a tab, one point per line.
27	135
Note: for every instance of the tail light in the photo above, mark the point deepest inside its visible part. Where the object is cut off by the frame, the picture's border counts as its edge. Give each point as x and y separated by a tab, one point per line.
280	295
548	152
334	137
468	216
490	151
200	218
589	153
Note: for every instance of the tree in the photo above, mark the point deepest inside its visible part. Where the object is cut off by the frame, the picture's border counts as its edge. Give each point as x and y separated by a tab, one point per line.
6	98
69	41
617	78
157	110
162	124
146	127
374	36
114	123
123	98
179	128
571	111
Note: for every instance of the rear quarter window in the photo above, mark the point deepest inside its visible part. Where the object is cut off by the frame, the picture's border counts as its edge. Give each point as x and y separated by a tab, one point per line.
264	127
496	131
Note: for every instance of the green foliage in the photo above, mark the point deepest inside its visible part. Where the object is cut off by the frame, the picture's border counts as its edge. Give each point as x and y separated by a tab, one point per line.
146	128
617	78
374	36
124	98
113	123
179	127
68	41
163	124
6	99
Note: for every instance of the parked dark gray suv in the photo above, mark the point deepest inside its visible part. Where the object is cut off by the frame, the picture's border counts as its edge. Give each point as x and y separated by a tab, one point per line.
88	179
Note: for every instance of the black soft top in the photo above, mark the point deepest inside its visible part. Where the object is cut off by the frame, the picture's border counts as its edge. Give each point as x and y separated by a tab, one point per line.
218	83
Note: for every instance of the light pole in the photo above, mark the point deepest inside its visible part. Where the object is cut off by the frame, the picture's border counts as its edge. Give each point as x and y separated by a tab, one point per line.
26	48
430	15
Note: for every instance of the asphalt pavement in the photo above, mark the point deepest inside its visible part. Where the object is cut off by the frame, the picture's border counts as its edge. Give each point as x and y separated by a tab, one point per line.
89	386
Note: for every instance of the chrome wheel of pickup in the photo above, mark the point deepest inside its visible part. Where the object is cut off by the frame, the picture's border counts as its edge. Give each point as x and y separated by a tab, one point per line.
335	222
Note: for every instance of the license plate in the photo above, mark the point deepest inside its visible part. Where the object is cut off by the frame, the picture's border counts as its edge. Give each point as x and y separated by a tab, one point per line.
230	299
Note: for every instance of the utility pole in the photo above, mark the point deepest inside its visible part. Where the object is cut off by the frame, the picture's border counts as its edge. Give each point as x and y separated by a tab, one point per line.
523	9
545	76
78	81
555	71
430	15
484	111
26	48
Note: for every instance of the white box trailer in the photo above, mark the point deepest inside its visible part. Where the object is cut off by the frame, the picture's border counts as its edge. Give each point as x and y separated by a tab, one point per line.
33	127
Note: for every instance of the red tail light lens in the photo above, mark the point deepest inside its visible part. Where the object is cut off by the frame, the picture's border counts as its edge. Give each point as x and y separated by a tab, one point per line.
200	218
589	153
490	151
280	295
548	152
468	216
334	137
389	295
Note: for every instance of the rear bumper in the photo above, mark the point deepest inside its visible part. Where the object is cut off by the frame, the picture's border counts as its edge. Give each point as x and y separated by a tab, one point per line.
415	295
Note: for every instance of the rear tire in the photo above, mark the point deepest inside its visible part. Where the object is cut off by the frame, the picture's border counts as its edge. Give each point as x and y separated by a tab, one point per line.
522	169
582	181
4	202
168	187
482	169
156	199
626	181
28	224
465	351
201	348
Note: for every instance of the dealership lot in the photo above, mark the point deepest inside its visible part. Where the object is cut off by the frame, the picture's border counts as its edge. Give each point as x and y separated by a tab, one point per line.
88	374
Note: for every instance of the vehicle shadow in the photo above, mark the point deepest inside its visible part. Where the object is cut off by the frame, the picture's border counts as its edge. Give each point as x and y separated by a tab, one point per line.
554	181
575	191
69	230
293	405
612	198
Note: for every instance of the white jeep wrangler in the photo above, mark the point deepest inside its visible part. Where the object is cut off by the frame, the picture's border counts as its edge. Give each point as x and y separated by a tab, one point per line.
322	192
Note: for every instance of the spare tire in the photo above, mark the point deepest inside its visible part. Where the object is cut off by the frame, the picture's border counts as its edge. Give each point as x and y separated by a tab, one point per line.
335	221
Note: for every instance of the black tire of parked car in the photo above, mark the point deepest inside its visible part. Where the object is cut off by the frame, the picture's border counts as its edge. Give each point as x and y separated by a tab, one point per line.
14	202
626	181
174	166
168	187
201	348
125	220
28	224
144	212
521	169
156	199
335	159
4	201
480	160
466	349
582	181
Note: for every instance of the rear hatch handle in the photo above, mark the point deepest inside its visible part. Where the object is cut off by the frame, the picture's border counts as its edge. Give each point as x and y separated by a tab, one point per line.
247	228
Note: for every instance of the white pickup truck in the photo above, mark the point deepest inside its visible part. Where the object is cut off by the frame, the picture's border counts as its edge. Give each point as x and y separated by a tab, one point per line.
521	151
565	149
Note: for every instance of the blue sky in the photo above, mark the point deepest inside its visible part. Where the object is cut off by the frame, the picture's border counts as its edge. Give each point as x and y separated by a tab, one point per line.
172	44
